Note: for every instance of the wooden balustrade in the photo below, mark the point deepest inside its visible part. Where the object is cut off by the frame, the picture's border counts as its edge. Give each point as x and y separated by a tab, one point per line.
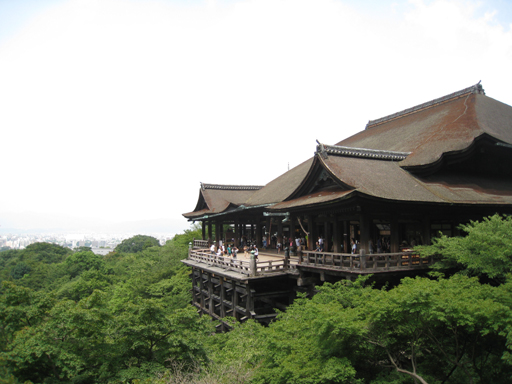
368	263
200	244
365	262
239	265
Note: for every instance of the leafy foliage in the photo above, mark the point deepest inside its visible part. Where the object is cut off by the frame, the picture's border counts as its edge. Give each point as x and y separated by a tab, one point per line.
486	250
82	318
98	320
137	244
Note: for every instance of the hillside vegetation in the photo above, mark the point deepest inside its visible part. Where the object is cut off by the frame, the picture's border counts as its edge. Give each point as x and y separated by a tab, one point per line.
75	317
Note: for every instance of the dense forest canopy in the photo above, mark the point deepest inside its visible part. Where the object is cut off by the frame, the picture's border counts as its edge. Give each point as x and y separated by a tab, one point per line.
76	317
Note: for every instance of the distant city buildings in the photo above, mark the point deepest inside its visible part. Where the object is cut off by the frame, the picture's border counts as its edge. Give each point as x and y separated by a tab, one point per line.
100	244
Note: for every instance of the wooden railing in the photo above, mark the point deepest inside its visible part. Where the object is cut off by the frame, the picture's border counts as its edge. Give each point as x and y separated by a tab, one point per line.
365	262
200	244
250	267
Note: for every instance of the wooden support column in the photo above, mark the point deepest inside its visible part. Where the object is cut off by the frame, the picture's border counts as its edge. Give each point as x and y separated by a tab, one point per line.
210	295
202	301
234	300
395	235
237	233
194	286
209	232
280	230
258	234
312	233
252	231
327	236
218	231
292	228
267	233
337	235
222	297
364	228
203	231
426	230
250	303
346	237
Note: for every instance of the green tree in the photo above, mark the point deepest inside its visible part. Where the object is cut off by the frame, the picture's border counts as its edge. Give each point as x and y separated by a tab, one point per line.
83	261
20	269
67	342
188	236
486	250
45	252
137	244
447	330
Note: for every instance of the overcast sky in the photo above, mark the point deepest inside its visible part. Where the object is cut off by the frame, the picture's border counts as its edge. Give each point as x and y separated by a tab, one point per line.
117	109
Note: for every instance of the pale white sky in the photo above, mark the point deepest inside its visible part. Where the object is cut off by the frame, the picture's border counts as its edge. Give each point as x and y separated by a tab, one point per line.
118	109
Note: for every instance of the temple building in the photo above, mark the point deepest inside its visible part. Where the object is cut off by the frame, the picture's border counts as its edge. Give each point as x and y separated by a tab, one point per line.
402	180
406	177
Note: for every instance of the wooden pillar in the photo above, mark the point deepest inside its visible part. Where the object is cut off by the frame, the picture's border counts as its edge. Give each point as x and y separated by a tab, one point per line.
252	231
312	233
210	295
209	232
202	301
267	234
234	300
327	236
364	228
237	233
250	302
395	235
292	228
203	230
222	297
426	230
346	237
195	283
258	234
218	232
337	235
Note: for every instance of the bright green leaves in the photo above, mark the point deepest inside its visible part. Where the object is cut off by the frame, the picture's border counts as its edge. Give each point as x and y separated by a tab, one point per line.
137	244
447	328
485	250
113	319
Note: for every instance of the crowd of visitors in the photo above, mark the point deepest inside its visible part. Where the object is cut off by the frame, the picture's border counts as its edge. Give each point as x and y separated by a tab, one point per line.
296	244
231	250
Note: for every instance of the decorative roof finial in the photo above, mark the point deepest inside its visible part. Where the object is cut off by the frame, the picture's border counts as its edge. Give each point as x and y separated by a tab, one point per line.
320	149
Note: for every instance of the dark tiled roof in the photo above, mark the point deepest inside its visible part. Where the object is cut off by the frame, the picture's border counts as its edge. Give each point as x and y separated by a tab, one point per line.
447	127
281	188
477	88
376	154
231	187
217	198
311	199
378	161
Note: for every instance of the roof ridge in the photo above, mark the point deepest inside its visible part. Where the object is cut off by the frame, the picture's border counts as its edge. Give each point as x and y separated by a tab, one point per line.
231	187
476	89
377	154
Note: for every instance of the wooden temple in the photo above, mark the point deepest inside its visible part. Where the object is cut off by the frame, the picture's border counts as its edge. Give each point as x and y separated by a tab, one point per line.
402	180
